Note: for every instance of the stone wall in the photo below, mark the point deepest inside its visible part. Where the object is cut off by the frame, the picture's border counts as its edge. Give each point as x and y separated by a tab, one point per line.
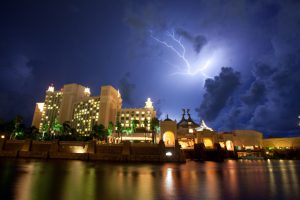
292	142
142	152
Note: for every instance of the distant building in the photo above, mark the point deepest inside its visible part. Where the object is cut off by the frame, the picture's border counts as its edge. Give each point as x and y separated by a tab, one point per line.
188	133
74	104
86	114
58	105
101	109
37	116
142	116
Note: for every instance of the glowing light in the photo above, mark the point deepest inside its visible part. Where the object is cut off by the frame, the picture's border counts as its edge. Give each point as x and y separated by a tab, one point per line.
79	149
2	136
149	103
203	126
169	153
181	53
50	88
169	138
222	144
40	106
87	90
208	143
229	145
136	138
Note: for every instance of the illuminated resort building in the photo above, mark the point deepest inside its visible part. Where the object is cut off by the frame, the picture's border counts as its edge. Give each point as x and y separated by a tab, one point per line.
51	109
141	116
86	114
58	105
97	110
74	104
188	133
37	116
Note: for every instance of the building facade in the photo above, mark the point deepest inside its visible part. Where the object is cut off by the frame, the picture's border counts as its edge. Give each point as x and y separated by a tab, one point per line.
37	115
74	104
86	114
140	116
51	109
188	133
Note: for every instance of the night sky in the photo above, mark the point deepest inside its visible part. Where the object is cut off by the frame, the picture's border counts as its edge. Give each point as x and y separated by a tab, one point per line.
235	64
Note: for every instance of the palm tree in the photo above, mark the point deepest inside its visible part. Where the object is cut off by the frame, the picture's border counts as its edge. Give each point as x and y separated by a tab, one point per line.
134	124
67	129
110	128
100	132
154	126
19	127
57	128
119	129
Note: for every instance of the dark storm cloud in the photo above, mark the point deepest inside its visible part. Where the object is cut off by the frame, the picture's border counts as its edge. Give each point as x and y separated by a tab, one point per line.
198	41
218	92
127	89
145	17
262	70
255	94
270	104
15	70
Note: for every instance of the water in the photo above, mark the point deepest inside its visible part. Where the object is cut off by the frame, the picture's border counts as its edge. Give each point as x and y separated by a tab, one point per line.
58	179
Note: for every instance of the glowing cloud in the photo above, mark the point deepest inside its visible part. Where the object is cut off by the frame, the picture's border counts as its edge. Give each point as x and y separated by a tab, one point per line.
179	49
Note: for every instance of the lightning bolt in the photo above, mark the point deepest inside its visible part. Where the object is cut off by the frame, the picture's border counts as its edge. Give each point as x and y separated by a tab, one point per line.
180	51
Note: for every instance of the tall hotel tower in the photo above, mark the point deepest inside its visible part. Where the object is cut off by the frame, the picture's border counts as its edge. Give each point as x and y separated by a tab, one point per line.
73	104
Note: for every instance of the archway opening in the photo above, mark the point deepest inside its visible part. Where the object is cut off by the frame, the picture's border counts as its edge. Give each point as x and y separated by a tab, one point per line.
208	143
229	145
169	138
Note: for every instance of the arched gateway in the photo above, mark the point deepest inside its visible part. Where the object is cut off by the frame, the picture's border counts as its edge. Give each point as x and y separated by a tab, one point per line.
169	138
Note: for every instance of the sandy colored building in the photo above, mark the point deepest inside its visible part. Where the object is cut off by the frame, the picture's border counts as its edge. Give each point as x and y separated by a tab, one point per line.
37	115
282	143
142	116
188	133
98	110
74	104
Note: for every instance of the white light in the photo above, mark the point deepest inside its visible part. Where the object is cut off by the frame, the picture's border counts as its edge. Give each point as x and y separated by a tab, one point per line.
169	153
87	90
40	106
2	136
148	103
51	88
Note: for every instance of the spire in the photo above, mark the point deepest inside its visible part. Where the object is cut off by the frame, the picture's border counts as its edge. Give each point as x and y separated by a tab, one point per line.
51	88
148	103
183	114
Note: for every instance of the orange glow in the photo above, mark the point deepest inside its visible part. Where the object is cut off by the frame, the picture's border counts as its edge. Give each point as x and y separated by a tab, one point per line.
208	143
169	138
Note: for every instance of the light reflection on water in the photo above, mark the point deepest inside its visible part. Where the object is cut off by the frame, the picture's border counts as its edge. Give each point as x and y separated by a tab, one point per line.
49	179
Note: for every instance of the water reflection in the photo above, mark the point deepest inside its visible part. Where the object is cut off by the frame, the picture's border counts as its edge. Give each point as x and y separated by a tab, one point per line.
45	179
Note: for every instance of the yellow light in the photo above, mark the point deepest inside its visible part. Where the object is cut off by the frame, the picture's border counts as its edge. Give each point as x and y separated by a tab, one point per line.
78	149
207	143
2	136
